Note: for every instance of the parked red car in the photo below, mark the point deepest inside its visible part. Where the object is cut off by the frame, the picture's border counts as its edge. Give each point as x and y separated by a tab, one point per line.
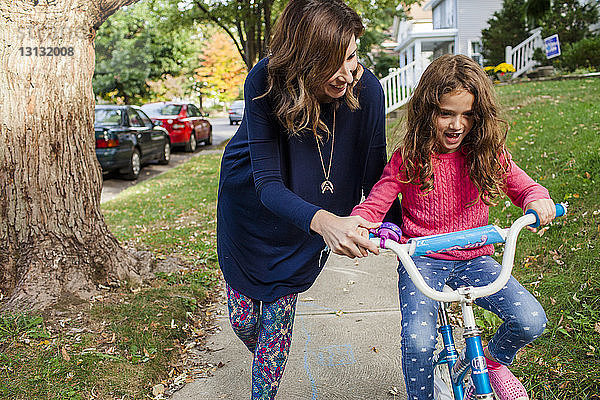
184	122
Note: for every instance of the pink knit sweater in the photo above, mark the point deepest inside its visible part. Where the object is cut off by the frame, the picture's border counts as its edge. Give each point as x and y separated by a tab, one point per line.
444	209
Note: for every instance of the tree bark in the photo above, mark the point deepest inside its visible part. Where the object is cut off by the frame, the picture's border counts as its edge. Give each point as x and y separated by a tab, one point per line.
267	7
54	243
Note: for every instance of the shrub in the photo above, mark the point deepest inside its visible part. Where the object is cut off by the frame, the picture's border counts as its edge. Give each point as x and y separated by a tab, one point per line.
582	54
570	19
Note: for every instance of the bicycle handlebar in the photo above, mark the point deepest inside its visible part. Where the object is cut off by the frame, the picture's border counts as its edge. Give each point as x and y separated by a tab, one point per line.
416	246
561	210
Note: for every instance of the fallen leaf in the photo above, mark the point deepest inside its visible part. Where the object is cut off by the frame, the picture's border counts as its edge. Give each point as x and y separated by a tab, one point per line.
65	355
307	299
597	327
158	390
542	231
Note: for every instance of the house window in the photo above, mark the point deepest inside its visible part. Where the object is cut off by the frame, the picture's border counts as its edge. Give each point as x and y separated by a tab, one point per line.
449	20
443	15
475	51
437	18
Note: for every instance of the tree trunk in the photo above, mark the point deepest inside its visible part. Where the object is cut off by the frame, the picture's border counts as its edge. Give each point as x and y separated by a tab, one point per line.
54	243
268	5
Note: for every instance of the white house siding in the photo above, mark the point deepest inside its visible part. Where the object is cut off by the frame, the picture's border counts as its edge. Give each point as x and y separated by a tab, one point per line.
472	19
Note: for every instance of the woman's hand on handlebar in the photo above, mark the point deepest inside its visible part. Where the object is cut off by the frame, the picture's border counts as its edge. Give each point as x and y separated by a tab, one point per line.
545	209
343	234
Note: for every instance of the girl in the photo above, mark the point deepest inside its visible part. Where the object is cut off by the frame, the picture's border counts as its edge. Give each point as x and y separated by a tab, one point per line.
285	175
451	165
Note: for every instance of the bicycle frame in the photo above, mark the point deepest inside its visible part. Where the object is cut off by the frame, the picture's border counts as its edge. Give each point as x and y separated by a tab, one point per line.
473	357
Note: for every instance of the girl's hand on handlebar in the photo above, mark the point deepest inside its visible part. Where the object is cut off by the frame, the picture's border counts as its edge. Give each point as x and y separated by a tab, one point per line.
545	209
342	234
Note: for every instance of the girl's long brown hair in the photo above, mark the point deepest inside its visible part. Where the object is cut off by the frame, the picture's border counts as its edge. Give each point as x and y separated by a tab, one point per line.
484	146
308	47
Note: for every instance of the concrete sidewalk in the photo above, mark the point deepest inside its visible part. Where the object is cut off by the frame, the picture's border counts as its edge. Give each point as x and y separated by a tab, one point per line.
346	341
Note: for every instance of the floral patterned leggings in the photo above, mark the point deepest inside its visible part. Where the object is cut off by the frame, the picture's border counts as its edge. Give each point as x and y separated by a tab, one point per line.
267	333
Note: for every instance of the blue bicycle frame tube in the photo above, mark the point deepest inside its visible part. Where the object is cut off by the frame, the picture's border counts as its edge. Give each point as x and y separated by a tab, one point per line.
467	239
451	357
479	371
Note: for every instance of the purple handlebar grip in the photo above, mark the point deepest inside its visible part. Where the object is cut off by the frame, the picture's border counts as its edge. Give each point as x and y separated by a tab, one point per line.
388	230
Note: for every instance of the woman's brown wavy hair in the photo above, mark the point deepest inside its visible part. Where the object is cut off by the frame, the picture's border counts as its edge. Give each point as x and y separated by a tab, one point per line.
308	47
484	146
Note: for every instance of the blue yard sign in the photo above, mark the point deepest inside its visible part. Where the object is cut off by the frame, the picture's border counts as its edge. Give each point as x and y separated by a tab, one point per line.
552	46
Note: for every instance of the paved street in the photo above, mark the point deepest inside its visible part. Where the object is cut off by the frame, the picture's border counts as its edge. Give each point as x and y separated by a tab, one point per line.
113	185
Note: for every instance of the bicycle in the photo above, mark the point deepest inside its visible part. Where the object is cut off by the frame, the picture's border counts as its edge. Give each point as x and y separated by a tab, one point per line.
472	358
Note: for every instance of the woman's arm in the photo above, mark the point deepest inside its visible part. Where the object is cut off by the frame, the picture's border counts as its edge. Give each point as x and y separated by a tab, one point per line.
263	140
339	233
343	234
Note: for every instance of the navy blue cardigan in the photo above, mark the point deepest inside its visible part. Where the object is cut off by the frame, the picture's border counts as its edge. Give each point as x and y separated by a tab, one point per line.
270	188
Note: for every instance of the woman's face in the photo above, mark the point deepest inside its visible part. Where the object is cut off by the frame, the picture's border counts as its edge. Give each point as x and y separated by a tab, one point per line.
337	85
455	120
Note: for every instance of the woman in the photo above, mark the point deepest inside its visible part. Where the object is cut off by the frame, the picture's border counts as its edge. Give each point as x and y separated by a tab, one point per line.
311	141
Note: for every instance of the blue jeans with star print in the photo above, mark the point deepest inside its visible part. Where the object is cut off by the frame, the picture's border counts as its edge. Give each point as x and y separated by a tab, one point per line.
523	316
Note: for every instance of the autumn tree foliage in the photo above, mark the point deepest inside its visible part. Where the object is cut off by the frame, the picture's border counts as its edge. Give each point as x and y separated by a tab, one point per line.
249	23
221	71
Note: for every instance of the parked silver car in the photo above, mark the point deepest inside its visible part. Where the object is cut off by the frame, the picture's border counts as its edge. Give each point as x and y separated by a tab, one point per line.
236	112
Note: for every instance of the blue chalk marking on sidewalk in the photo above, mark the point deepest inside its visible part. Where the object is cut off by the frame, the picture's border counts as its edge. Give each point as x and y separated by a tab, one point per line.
313	385
335	356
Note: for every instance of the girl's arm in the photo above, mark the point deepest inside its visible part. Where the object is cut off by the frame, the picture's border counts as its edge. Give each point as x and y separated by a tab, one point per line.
527	194
383	194
377	156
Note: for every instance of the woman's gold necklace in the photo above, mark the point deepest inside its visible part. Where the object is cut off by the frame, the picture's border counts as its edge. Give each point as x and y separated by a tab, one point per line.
327	185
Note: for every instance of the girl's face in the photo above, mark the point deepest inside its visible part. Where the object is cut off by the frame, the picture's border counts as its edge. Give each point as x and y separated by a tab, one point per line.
455	120
337	85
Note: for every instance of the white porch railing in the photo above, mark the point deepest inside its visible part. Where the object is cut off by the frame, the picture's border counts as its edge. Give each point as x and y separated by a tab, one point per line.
399	85
521	57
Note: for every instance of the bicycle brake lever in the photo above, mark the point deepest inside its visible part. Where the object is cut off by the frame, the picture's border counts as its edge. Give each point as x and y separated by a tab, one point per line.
387	230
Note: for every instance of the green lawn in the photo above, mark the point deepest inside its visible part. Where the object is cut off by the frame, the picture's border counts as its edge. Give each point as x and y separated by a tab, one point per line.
555	138
129	339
